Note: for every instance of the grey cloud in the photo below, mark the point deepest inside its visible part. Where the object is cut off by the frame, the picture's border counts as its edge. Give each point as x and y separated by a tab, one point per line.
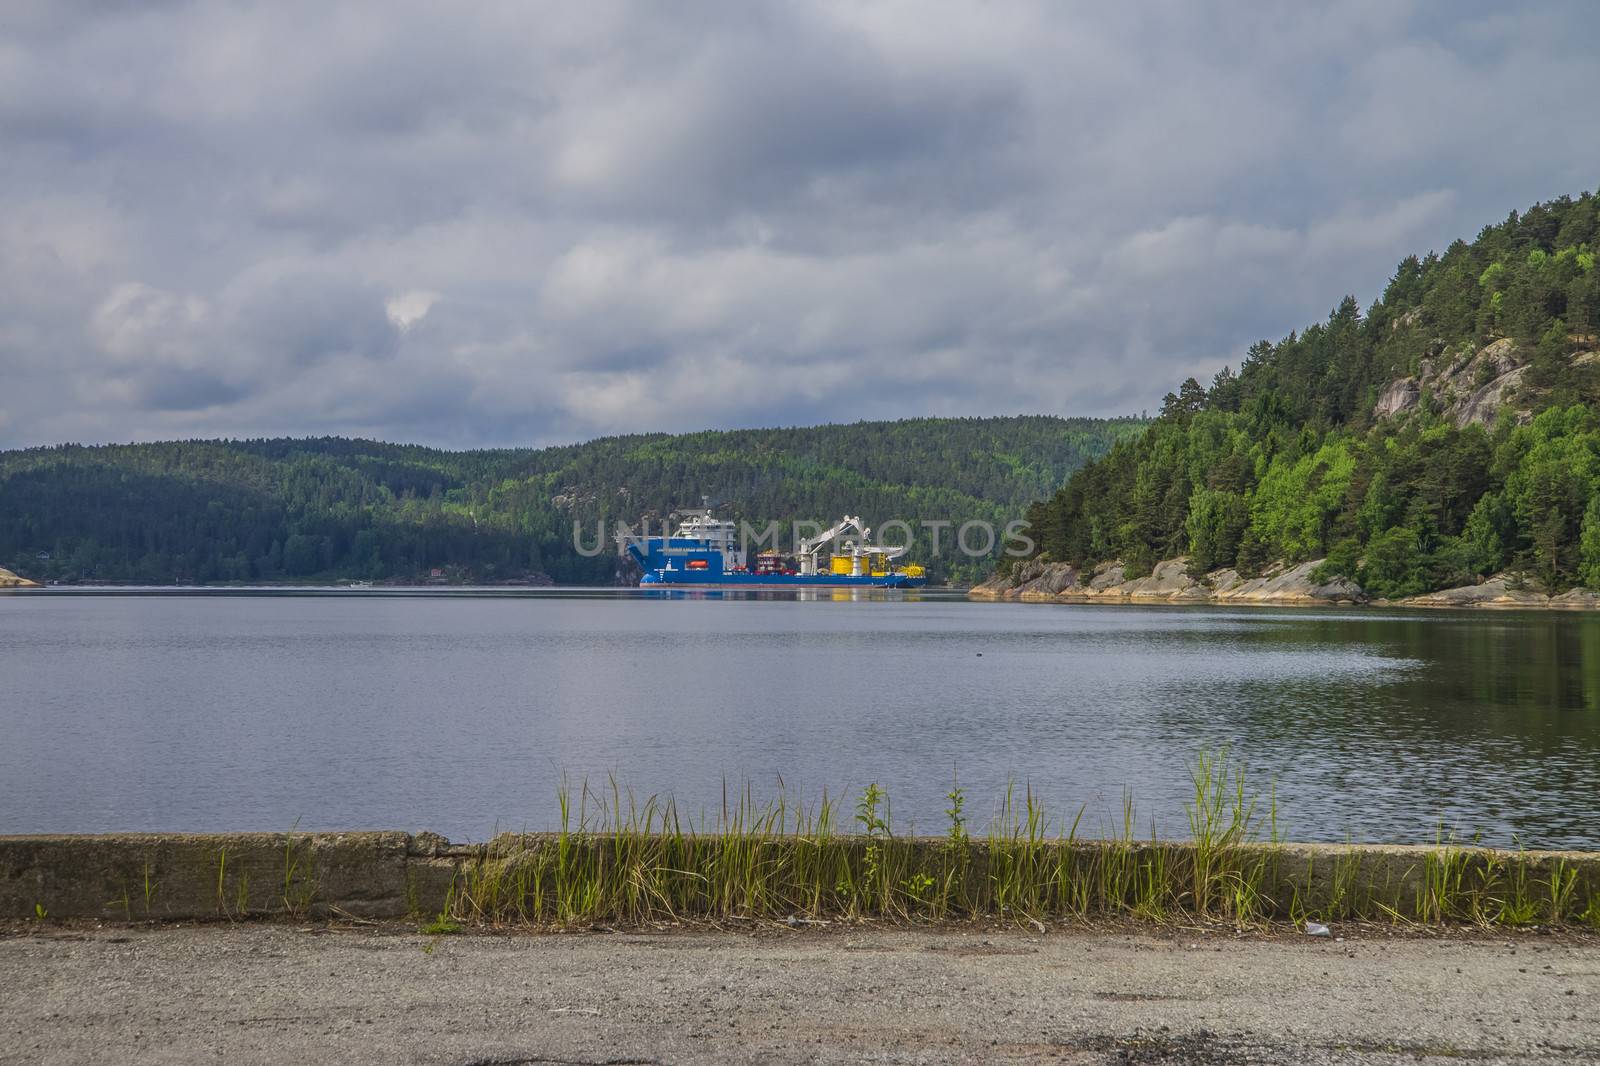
792	114
165	389
167	351
530	225
299	321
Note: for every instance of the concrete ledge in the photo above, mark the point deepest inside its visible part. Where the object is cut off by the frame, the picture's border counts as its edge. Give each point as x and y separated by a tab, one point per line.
139	876
142	877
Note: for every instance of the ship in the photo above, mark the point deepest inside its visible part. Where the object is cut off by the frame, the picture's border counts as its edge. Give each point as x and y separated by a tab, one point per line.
703	552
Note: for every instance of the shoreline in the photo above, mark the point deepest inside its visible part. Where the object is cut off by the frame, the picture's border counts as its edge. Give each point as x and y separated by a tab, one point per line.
130	588
1281	585
631	876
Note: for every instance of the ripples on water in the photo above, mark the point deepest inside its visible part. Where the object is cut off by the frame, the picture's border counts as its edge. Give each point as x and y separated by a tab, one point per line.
460	713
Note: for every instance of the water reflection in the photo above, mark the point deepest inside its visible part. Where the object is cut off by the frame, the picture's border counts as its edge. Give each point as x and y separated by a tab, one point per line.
460	711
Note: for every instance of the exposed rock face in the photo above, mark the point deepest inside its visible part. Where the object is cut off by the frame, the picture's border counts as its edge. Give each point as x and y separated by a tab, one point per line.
1483	404
1576	599
1284	585
1281	586
1401	395
1505	591
1472	388
8	580
1497	591
1169	582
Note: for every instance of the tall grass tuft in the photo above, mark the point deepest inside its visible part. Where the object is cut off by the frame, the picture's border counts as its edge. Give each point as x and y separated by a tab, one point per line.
615	858
1226	878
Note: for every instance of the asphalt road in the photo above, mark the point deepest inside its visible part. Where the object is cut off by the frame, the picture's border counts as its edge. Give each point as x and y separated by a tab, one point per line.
272	993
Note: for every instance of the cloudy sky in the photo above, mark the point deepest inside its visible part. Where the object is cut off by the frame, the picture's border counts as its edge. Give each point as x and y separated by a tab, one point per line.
544	222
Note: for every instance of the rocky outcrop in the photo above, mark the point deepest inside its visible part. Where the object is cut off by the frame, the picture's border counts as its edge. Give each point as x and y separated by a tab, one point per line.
1284	585
1497	591
8	580
1505	591
1400	396
1484	403
1281	586
1471	387
1169	582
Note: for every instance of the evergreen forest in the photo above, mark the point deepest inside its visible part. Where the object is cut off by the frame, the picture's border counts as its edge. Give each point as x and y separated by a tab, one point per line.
1448	432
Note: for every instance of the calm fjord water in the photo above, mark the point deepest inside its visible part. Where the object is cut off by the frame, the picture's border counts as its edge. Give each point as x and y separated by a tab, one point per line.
460	713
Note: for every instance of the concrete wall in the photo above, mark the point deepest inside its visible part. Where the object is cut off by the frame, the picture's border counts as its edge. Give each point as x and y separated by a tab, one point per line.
139	877
155	876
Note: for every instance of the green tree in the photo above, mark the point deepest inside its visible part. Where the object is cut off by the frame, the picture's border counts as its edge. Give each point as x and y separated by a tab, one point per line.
1215	525
1589	545
1482	548
302	556
1297	434
1395	564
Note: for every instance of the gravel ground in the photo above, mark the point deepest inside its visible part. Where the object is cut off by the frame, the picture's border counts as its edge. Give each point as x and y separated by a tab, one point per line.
275	993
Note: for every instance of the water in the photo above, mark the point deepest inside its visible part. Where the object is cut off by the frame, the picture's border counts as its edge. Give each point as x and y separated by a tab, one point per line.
459	713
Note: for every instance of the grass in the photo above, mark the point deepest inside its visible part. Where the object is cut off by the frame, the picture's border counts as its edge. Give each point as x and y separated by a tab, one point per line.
1591	914
299	874
442	925
233	892
222	882
617	859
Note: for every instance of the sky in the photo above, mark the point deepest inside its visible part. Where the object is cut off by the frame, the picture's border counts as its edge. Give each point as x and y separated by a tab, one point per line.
524	223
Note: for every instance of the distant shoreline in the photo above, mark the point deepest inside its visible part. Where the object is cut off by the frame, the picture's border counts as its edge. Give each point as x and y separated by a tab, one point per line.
386	584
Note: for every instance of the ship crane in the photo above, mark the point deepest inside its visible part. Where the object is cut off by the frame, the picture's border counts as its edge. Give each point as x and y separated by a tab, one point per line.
854	545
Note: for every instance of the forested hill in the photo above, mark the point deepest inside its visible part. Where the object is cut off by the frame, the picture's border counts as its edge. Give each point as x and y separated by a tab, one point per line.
326	509
1450	432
